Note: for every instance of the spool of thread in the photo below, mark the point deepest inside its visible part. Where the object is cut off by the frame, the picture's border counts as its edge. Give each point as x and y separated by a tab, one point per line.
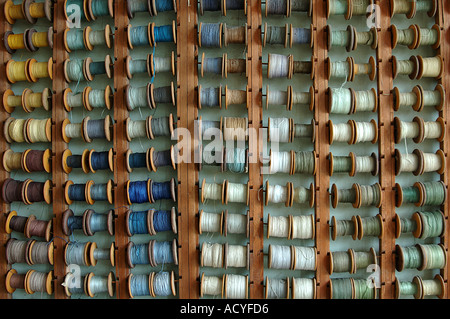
163	95
277	288
39	282
212	255
77	7
302	227
411	99
301	195
73	70
340	69
279	66
164	33
236	256
337	7
210	35
97	98
163	5
235	286
14	281
365	289
403	7
277	7
430	98
280	162
92	68
300	35
341	228
93	38
138	6
34	192
99	284
413	130
340	101
137	160
72	284
279	129
17	251
411	194
210	222
99	192
235	128
96	254
236	193
39	70
139	35
341	132
77	253
96	129
408	67
407	225
162	284
236	224
74	39
100	8
430	67
304	162
209	5
137	97
76	192
161	126
235	160
137	222
17	71
235	97
342	288
136	66
278	194
434	193
211	285
304	288
138	191
365	101
162	190
342	261
100	160
138	254
370	226
70	222
278	226
95	222
36	228
432	224
369	195
212	65
281	257
28	10
276	34
365	132
304	258
350	195
40	253
434	287
408	288
161	158
138	285
434	256
364	68
163	252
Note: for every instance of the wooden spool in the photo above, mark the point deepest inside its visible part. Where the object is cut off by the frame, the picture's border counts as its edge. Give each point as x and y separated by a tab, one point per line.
173	190
352	128
48	230
88	159
130	44
152	98
200	34
229	93
152	33
149	127
151	228
172	283
398	162
361	228
398	130
87	72
151	64
48	286
199	93
221	227
225	255
84	163
111	283
352	261
85	253
202	194
93	247
415	61
87	222
50	252
334	229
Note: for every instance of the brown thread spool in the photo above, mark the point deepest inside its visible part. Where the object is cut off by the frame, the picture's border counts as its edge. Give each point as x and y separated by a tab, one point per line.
12	190
235	65
38	228
303	67
14	281
15	222
36	192
235	97
234	35
235	128
36	161
431	67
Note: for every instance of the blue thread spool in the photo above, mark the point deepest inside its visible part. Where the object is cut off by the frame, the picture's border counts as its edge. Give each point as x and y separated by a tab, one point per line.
163	190
277	7
101	160
137	6
210	97
210	35
162	221
137	192
73	70
210	5
300	36
136	160
74	192
94	222
138	285
137	254
235	160
162	126
161	158
70	161
96	129
74	7
163	5
164	33
99	192
73	40
100	8
211	65
164	94
91	68
77	253
162	283
139	36
137	222
70	222
136	66
163	252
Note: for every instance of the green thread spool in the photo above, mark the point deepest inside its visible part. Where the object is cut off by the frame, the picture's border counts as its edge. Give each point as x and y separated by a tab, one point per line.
424	5
370	226
434	256
341	261
364	259
407	225
340	69
340	101
405	37
364	289
411	194
344	228
340	38
407	288
434	287
370	195
435	193
342	288
432	224
342	164
304	162
429	36
303	130
336	7
347	195
410	257
359	7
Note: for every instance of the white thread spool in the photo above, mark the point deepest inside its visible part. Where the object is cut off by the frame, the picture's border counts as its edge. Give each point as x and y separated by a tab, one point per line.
211	285
365	101
278	226
301	195
341	132
279	66
304	258
433	287
236	193
236	287
302	227
366	132
280	162
434	162
277	288
236	224
137	129
210	222
303	288
340	101
407	163
73	130
276	97
279	129
213	191
277	194
212	255
236	256
280	257
432	130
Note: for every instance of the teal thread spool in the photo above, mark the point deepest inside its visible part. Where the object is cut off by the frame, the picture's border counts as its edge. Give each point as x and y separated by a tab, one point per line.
408	195
74	39
407	225
364	289
336	7
434	193
341	261
73	70
409	257
275	35
136	66
139	35
370	226
434	256
342	228
350	195
370	195
73	7
408	288
100	8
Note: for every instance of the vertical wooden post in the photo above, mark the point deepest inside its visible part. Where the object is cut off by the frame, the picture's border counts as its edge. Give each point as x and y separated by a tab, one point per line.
386	150
322	177
256	209
120	146
58	147
187	172
4	85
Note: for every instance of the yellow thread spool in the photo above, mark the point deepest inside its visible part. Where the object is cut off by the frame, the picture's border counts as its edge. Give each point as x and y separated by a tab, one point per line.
39	70
13	12
16	71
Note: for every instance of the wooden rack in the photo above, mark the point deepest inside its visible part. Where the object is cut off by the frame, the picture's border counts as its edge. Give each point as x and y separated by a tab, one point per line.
188	173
